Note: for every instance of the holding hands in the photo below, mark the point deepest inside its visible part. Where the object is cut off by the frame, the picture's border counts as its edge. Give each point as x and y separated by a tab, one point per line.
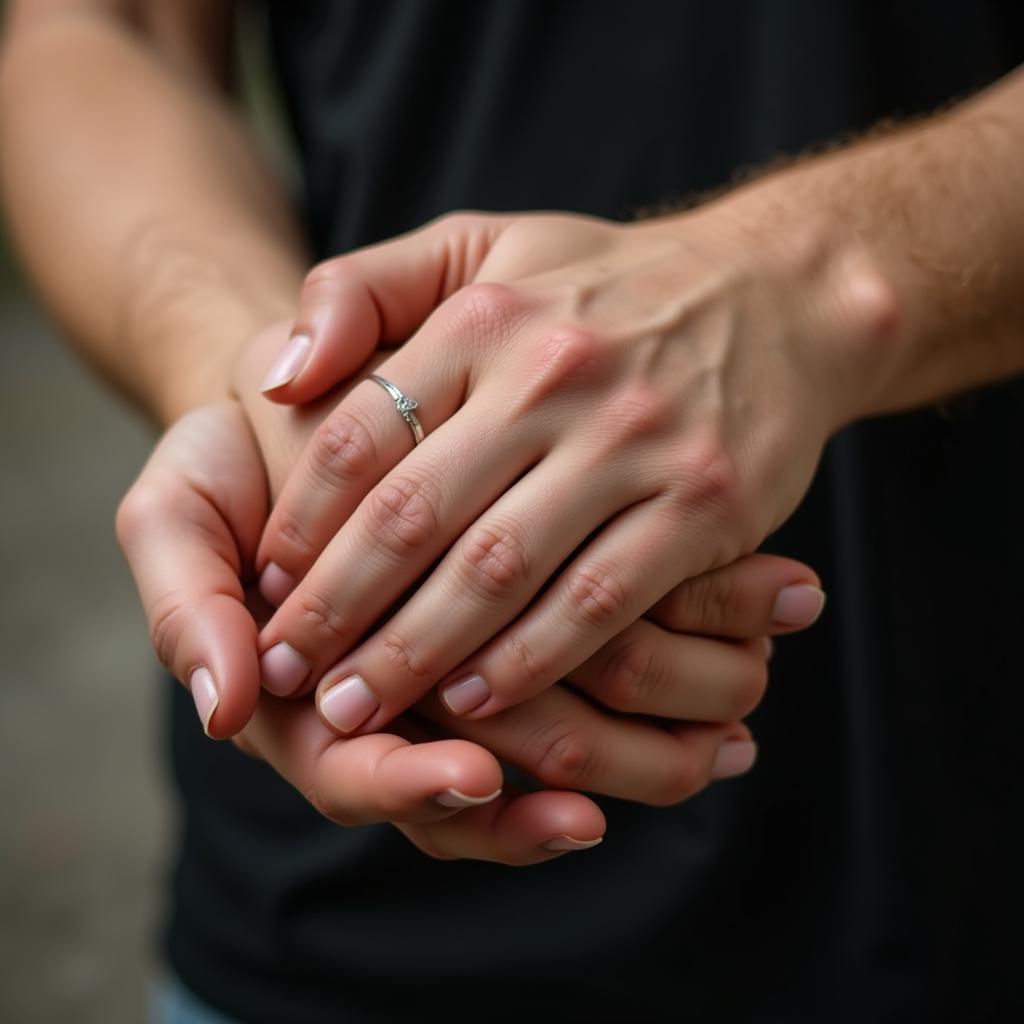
599	428
601	454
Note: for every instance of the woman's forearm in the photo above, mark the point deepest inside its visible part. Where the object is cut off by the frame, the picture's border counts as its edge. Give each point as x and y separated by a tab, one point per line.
139	204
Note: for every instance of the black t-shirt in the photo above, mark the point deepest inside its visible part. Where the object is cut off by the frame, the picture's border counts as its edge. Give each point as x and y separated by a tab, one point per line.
867	869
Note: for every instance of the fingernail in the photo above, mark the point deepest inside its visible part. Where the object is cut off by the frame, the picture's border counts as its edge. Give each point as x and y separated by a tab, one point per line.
289	363
204	693
798	605
734	757
276	584
453	798
282	669
348	704
465	695
564	842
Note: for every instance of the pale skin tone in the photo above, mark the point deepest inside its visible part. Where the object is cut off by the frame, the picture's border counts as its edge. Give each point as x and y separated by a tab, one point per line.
620	407
184	250
206	481
871	286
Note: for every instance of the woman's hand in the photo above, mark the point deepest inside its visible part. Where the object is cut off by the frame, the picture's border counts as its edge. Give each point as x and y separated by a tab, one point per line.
189	528
610	409
189	525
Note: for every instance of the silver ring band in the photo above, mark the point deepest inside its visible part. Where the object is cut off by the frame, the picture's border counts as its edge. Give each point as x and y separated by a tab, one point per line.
405	406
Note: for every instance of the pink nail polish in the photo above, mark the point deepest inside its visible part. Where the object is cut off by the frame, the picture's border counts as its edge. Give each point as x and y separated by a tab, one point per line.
289	363
453	798
798	605
348	704
204	693
734	757
282	669
564	842
276	584
465	695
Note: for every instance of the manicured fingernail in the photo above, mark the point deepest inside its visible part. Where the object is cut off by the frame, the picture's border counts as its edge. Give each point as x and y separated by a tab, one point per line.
288	365
348	704
564	842
465	695
276	584
798	605
453	798
282	669
734	757
204	693
769	647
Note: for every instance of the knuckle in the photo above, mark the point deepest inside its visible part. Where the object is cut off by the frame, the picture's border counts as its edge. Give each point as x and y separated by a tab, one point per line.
748	687
324	276
709	478
319	615
343	450
402	514
402	659
459	221
494	560
129	517
485	310
167	621
630	678
635	413
291	531
528	673
563	756
679	782
566	357
147	503
711	602
597	595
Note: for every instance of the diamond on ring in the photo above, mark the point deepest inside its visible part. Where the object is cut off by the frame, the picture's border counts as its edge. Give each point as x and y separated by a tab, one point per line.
405	406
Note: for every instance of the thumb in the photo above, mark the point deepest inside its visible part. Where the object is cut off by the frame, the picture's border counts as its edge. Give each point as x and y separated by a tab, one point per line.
379	295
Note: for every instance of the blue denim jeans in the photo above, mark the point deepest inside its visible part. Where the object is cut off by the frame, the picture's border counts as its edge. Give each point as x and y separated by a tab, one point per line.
174	1004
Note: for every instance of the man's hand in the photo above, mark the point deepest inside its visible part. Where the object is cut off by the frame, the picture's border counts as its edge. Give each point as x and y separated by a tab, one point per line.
611	409
601	418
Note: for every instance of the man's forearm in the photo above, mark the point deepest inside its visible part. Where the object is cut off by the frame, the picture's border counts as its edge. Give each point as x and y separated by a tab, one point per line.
907	249
138	202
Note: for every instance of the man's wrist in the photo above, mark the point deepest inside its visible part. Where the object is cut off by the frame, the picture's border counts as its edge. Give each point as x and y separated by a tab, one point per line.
793	274
845	305
902	254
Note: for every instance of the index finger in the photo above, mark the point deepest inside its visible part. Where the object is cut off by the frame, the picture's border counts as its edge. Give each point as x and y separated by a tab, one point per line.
186	527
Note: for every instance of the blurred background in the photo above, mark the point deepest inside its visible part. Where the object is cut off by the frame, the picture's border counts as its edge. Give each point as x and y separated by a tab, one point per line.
87	811
85	808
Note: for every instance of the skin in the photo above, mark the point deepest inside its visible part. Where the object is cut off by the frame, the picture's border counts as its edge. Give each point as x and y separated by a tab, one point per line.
186	249
206	480
613	409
